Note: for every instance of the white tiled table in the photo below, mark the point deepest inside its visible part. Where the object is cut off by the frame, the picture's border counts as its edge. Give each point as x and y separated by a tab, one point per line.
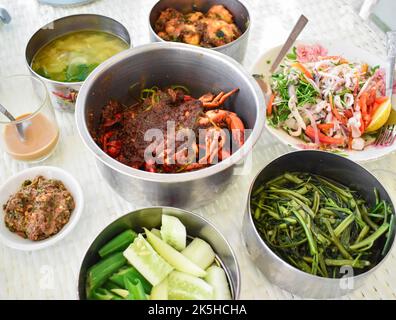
52	273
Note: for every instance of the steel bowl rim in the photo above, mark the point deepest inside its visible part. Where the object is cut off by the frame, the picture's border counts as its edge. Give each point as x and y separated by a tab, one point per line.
79	83
177	177
288	265
237	291
243	35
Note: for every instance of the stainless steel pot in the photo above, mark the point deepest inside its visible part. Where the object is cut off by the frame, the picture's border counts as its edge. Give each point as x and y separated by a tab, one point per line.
63	94
151	218
163	64
278	271
235	49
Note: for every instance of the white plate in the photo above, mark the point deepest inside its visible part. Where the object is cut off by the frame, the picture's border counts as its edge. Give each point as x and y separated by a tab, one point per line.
13	184
348	51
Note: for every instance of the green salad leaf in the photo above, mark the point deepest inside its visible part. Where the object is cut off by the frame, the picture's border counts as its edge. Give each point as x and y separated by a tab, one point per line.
293	55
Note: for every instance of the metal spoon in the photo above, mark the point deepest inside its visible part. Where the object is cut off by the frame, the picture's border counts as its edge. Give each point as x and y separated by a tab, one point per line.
19	126
300	25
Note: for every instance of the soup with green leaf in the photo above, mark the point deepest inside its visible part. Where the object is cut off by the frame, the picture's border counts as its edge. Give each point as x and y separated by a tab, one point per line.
72	57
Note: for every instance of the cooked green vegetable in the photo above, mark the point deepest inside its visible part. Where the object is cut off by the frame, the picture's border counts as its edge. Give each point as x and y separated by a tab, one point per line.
318	225
131	274
100	272
119	243
178	86
79	72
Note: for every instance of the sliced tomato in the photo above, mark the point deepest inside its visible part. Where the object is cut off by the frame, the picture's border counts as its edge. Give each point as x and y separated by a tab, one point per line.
363	103
310	132
348	114
381	100
325	126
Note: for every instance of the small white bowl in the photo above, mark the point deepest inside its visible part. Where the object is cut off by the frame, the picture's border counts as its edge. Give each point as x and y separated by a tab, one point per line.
13	184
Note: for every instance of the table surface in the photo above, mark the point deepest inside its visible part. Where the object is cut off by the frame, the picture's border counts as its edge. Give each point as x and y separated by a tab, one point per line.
52	273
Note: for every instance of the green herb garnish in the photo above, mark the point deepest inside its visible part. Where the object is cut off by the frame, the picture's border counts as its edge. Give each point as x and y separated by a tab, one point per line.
220	34
79	72
293	55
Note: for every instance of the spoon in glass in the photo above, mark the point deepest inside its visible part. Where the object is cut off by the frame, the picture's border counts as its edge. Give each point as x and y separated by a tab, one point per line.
19	126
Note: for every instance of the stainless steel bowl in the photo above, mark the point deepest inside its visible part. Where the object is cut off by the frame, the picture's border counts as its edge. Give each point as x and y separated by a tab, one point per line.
163	64
235	49
151	218
278	271
63	94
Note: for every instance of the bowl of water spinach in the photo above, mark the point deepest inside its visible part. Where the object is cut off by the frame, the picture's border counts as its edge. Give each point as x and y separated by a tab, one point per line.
318	224
159	253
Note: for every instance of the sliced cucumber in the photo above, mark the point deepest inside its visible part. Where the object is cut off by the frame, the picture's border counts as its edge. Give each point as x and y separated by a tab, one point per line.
156	232
160	291
147	261
173	232
183	286
217	278
174	257
200	252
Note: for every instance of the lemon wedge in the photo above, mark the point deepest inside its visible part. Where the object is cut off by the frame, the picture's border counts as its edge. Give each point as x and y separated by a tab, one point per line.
380	116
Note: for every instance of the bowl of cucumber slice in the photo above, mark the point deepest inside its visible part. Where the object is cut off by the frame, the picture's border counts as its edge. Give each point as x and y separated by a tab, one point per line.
159	253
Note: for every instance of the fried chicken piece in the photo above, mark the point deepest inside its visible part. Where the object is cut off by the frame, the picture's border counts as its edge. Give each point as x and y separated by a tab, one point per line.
220	12
219	32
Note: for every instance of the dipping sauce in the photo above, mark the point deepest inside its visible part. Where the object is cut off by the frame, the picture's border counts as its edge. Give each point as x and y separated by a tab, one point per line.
40	209
41	137
73	56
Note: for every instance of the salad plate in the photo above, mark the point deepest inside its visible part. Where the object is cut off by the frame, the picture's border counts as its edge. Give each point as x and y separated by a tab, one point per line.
344	137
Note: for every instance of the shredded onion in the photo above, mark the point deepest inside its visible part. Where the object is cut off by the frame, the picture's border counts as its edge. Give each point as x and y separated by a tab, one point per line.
296	133
293	107
365	86
313	84
349	100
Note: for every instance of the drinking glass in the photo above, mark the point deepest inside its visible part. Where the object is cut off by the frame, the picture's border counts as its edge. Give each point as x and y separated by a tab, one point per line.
26	99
